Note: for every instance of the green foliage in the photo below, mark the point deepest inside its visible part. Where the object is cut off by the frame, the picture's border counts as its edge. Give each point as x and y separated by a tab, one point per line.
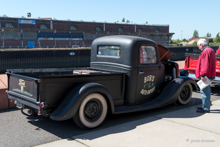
170	40
214	44
208	35
123	20
185	40
176	41
146	22
217	39
128	21
195	34
194	43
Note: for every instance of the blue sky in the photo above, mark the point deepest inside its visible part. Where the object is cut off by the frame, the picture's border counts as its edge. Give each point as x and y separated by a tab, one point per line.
183	17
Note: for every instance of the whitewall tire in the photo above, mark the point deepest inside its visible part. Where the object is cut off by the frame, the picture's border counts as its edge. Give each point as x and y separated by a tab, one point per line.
92	111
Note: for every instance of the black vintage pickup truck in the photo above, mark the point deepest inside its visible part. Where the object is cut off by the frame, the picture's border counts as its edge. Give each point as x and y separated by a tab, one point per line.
126	74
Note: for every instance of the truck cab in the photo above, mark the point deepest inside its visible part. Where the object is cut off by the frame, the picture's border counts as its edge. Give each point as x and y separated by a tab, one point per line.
138	58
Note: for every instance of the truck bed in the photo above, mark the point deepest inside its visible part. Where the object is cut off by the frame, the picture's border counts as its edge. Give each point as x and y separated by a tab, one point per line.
33	86
57	72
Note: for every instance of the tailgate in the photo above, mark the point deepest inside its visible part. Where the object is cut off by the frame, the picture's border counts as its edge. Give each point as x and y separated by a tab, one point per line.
191	61
23	89
217	65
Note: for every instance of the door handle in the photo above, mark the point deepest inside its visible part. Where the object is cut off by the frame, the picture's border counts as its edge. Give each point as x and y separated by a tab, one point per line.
141	72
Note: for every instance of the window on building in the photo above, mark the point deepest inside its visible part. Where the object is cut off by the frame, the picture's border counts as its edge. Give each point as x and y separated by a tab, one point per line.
98	28
120	29
150	37
148	55
157	30
43	26
77	43
139	30
164	37
0	25
73	27
9	25
109	51
157	38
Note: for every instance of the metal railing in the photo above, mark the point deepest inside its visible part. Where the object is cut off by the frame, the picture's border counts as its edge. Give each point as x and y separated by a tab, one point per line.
46	46
26	59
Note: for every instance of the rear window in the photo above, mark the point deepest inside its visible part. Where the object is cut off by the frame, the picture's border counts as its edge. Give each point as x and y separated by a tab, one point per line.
111	51
148	55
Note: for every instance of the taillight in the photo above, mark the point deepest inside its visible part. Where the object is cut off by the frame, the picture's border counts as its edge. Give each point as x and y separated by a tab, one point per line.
43	104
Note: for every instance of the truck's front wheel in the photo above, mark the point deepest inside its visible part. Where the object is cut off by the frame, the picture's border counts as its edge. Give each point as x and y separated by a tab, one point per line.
185	94
92	111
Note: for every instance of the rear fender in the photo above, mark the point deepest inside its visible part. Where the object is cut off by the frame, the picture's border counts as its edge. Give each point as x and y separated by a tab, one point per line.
68	108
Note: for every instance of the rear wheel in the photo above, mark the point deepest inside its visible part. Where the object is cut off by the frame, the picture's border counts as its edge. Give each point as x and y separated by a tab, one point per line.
185	94
92	111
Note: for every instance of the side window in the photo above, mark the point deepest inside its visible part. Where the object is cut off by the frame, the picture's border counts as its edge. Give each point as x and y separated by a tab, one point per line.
148	55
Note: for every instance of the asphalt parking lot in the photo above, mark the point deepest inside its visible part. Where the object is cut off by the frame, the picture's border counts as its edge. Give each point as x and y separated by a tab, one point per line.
22	131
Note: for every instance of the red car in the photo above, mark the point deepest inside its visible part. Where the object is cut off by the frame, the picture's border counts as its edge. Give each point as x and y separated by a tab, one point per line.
191	62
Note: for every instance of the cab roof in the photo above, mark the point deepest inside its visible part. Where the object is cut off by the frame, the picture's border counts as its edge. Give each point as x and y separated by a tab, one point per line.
129	46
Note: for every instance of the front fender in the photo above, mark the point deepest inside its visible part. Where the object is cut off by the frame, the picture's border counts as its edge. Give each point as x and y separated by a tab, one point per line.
173	89
68	108
168	95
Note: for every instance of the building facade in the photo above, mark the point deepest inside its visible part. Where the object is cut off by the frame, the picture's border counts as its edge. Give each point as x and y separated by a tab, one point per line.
23	32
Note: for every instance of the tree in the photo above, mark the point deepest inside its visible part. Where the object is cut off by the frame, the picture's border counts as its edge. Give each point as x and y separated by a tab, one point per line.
170	40
123	20
195	34
217	38
184	40
176	41
146	22
208	34
194	43
128	21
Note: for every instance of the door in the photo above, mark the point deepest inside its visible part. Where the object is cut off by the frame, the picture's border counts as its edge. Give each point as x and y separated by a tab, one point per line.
150	74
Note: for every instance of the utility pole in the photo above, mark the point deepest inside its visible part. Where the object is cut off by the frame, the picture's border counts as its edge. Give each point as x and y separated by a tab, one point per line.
181	35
